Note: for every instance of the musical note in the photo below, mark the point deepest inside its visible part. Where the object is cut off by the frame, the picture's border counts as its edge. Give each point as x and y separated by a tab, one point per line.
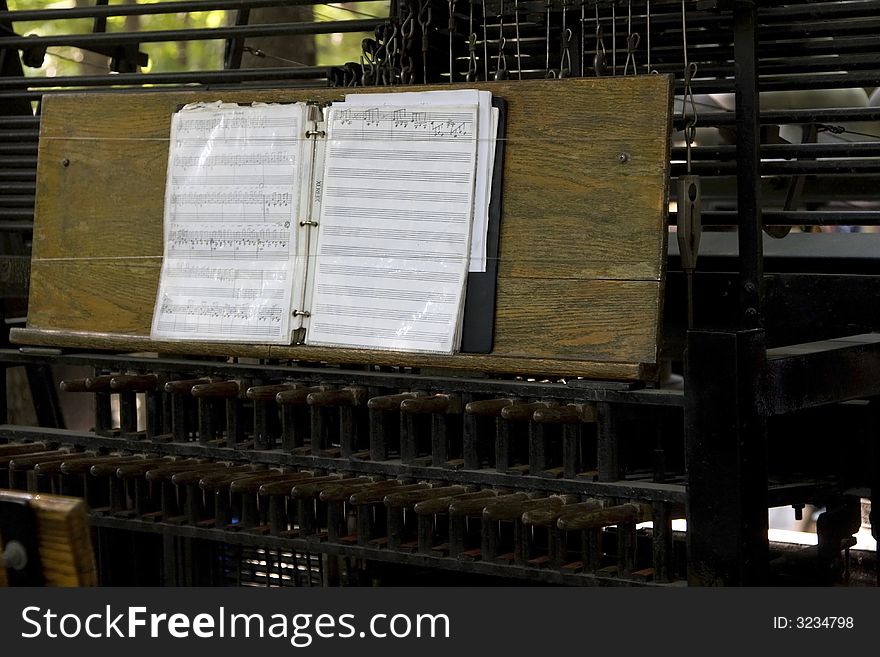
253	197
230	235
393	248
404	123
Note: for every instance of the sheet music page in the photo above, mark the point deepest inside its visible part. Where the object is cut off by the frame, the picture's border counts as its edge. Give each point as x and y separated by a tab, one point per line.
231	198
394	233
487	131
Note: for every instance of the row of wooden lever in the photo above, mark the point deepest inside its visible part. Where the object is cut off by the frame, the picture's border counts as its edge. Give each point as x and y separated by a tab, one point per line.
436	518
356	422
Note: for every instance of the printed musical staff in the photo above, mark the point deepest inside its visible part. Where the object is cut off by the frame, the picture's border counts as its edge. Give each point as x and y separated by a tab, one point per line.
387	214
243	312
230	224
406	123
267	199
388	199
183	162
223	274
236	178
487	130
187	239
394	240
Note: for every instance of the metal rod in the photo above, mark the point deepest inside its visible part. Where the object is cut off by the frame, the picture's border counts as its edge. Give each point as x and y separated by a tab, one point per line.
775	151
156	36
12	214
821	115
205	77
304	83
152	8
788	168
794	218
748	156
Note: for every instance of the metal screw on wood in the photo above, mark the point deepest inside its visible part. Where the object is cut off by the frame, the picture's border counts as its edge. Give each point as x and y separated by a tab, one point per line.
14	557
623	158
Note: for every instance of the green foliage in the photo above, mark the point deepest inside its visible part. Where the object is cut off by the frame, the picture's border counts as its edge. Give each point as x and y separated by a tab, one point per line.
332	49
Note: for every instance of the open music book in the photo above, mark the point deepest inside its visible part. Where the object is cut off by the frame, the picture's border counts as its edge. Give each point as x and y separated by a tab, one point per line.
351	225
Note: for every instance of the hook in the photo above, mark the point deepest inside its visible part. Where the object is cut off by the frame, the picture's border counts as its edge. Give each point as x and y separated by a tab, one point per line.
565	63
632	43
599	61
501	67
424	18
472	58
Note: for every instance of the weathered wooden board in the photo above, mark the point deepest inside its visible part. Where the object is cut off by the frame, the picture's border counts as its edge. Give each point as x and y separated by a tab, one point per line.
583	240
63	538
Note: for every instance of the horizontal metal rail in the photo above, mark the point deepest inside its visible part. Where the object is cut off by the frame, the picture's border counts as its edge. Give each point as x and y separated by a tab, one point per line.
627	488
529	573
194	34
149	9
793	218
716	118
784	151
568	390
193	77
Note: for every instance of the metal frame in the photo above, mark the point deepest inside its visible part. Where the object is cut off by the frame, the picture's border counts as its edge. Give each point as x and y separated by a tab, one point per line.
738	393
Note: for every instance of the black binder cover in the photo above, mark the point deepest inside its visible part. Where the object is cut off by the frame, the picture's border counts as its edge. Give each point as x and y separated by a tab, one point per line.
478	329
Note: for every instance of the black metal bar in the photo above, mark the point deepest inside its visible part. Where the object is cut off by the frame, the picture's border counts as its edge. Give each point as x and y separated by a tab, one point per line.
100	22
725	443
503	445
608	457
128	413
800	151
825	28
17	201
662	543
819	115
148	9
790	83
305	83
719	50
643	489
808	10
831	63
571	450
18	187
823	373
390	380
820	81
195	34
303	544
28	122
793	218
473	440
16	219
20	162
235	47
201	77
28	175
790	168
19	134
234	429
537	448
874	474
45	396
748	161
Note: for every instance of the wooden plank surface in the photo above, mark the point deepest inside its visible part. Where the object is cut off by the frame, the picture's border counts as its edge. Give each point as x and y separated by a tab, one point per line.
466	363
63	538
583	238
